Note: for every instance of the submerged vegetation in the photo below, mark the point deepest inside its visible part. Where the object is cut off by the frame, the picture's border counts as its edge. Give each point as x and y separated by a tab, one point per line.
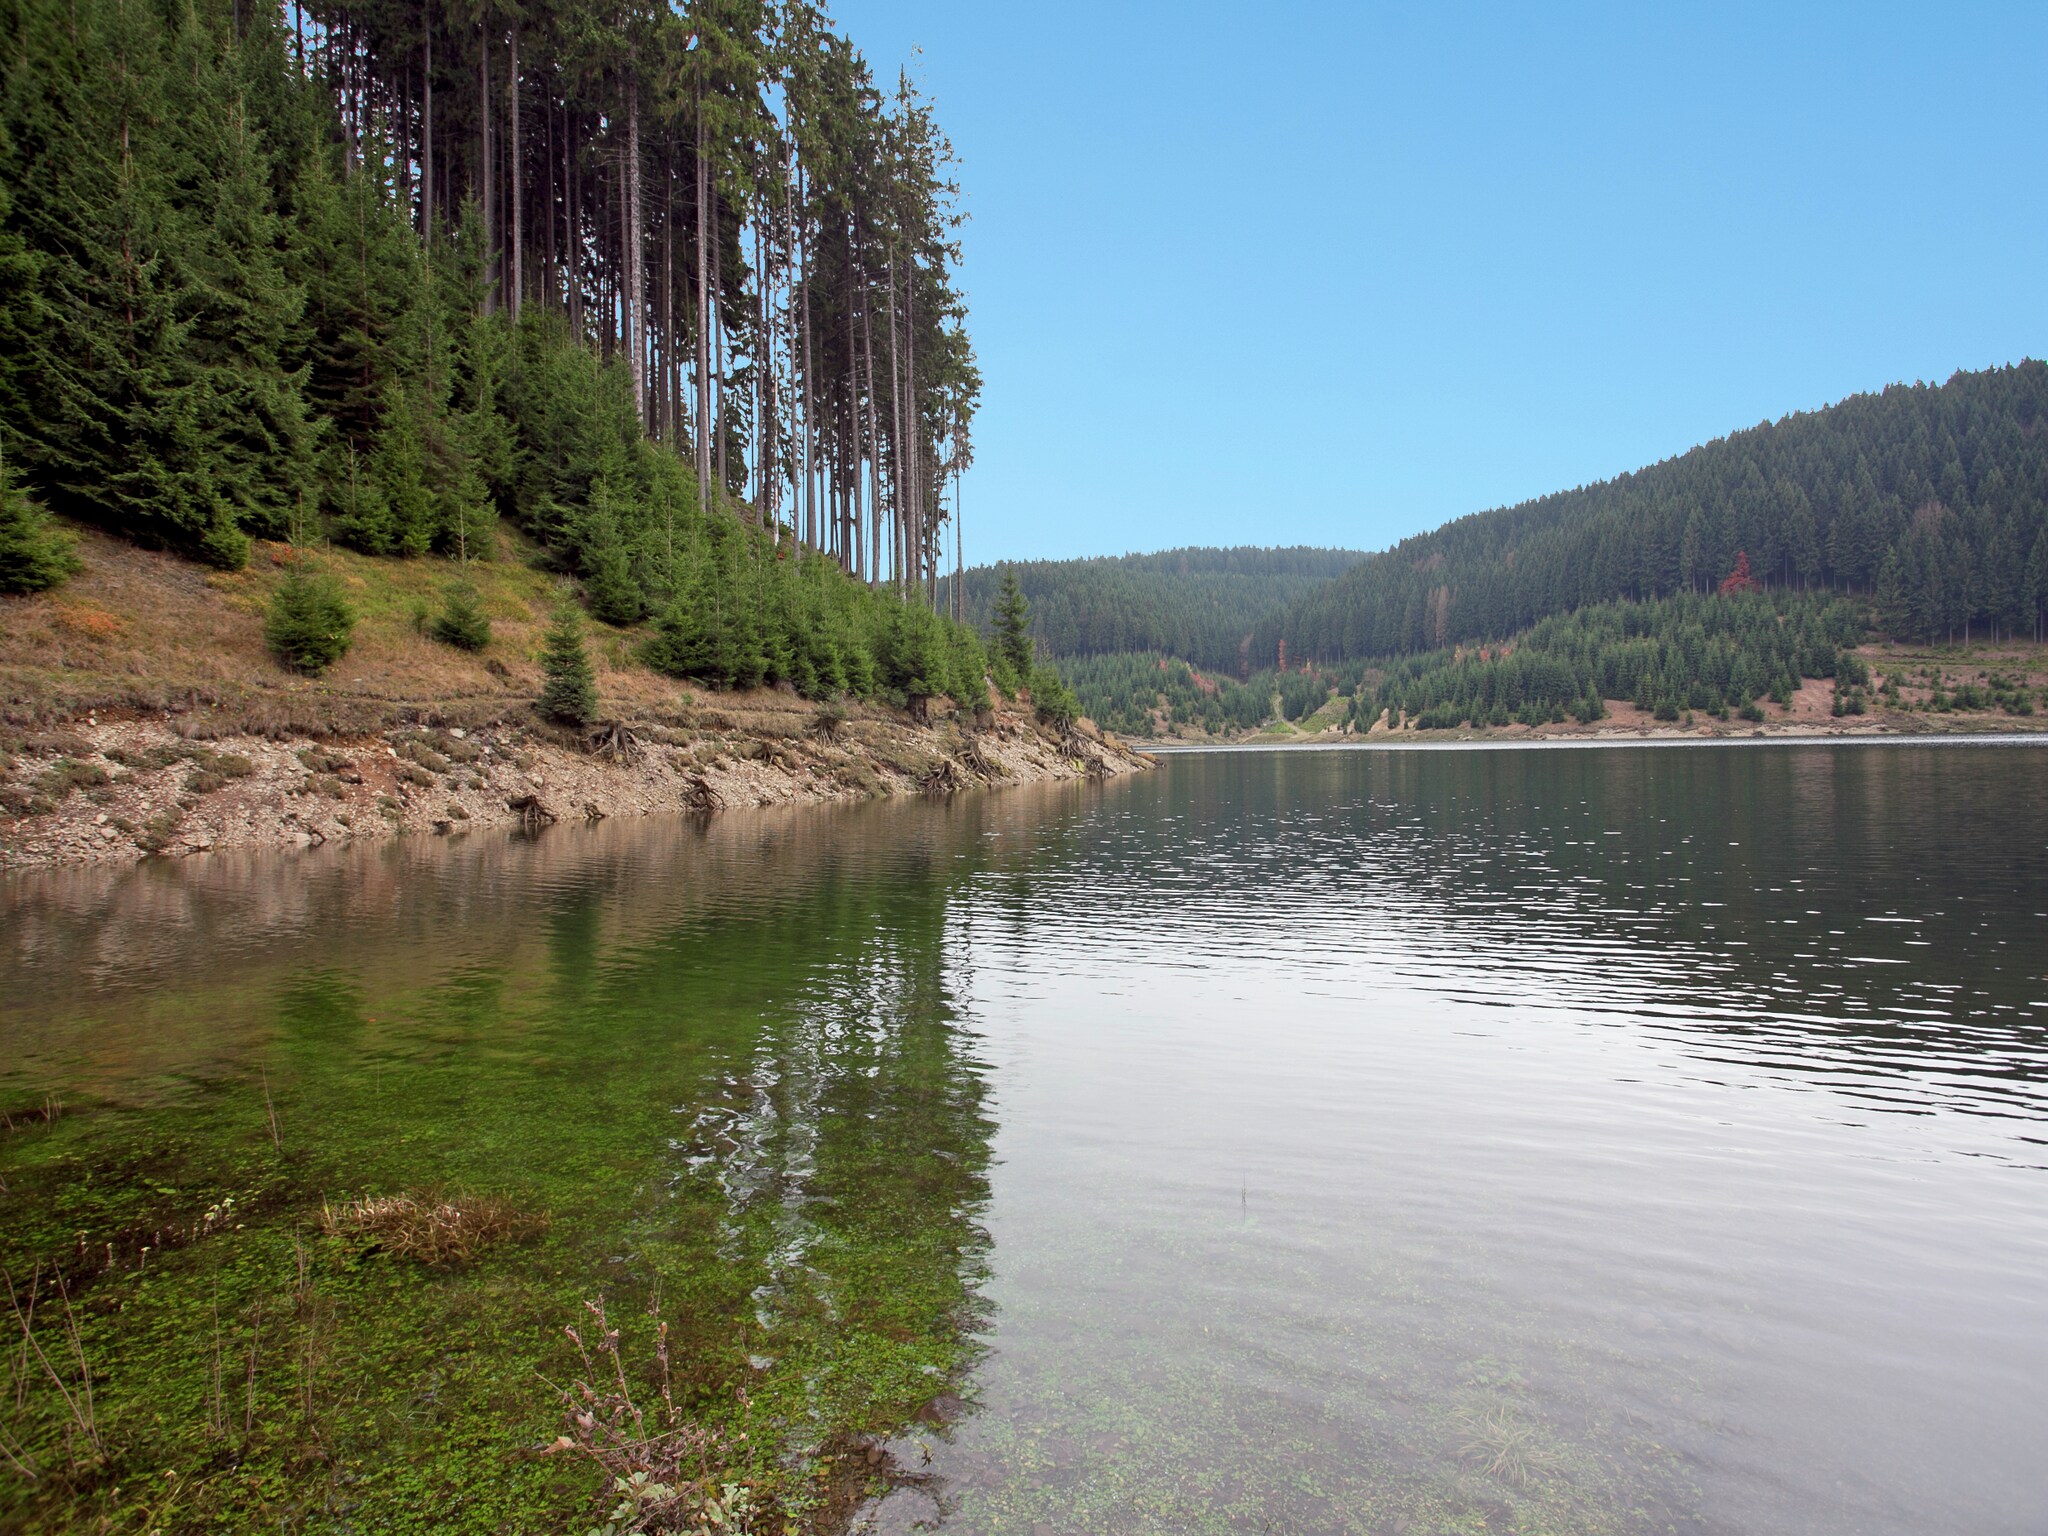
338	1287
430	1226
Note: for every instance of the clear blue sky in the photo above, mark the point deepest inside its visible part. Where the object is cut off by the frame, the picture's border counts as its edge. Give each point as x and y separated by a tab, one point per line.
1334	273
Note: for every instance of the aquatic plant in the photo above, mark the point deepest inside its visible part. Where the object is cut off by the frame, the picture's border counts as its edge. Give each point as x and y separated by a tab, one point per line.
432	1228
1507	1449
668	1475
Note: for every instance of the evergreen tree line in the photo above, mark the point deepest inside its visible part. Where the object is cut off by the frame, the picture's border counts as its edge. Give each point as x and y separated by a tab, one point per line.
1712	654
1198	604
392	272
1120	692
1932	498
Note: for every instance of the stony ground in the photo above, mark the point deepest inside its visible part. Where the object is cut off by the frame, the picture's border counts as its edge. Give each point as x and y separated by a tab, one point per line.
140	715
124	788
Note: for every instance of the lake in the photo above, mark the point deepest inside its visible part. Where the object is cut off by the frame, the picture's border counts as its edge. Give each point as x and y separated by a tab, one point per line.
1619	1139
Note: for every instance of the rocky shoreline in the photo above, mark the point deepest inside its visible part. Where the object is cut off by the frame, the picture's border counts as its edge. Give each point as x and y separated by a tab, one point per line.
114	786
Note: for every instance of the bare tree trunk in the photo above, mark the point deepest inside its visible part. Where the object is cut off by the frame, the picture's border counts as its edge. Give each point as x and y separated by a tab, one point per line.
757	485
575	223
621	275
635	288
719	357
804	291
668	308
703	315
931	547
518	201
850	437
867	339
483	162
764	387
899	528
551	275
427	133
402	140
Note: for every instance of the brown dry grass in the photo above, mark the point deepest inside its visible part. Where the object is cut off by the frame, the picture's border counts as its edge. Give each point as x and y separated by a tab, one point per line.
142	632
429	1226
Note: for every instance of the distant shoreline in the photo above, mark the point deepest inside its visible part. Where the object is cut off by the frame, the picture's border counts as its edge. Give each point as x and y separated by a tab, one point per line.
1448	742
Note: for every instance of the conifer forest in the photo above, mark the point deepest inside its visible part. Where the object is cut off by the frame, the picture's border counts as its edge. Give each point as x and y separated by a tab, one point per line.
1707	582
669	292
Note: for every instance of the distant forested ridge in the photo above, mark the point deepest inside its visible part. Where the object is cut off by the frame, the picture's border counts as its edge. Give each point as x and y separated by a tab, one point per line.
671	289
1930	501
1716	654
1198	604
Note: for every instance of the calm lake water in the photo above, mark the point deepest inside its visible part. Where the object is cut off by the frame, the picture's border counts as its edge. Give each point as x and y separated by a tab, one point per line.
1598	1140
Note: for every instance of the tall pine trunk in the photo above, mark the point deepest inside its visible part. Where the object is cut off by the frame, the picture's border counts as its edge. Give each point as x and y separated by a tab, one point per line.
899	528
518	231
867	341
703	424
575	229
803	237
427	132
635	288
483	155
720	356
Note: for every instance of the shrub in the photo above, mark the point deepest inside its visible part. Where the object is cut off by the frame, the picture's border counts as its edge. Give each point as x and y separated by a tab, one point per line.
310	625
1055	701
462	622
569	695
35	554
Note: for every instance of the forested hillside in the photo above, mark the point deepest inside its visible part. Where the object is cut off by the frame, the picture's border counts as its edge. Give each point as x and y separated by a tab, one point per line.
1198	604
669	290
1931	501
1714	654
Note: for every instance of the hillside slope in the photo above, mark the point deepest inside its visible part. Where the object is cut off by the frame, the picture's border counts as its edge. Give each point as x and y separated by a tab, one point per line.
140	713
1933	500
1200	604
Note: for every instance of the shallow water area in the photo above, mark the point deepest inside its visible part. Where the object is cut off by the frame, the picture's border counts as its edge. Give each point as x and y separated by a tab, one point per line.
1634	1139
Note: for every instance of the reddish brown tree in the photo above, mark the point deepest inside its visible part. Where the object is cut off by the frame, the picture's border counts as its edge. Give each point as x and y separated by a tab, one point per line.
1739	579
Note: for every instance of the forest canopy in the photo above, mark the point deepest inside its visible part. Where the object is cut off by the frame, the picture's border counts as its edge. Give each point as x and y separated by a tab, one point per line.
1931	501
671	291
1198	604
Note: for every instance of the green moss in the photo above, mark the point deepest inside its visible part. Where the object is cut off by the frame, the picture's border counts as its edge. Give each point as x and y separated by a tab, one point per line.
417	1398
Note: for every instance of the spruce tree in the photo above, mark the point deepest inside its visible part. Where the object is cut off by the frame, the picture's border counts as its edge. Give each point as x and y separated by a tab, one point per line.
608	584
309	624
1894	612
399	467
569	694
462	621
229	244
360	515
1014	651
35	554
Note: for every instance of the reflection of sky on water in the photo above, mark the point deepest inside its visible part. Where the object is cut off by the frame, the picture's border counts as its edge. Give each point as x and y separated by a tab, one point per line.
1669	1121
1593	1141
